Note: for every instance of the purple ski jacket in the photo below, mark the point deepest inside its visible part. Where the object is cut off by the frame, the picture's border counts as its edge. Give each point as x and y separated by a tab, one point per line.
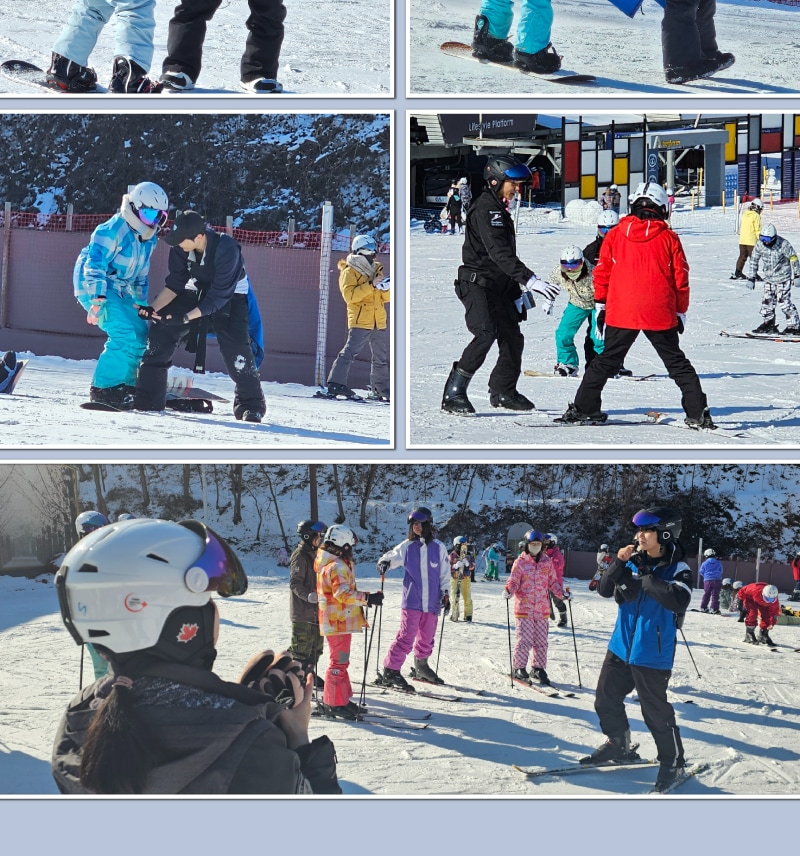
427	576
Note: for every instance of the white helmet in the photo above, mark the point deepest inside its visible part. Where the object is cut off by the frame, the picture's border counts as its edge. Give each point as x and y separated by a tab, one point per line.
88	521
463	181
768	233
150	203
459	540
572	261
727	581
119	585
364	245
613	187
737	585
757	204
553	539
604	546
341	536
650	195
125	515
709	552
607	219
770	593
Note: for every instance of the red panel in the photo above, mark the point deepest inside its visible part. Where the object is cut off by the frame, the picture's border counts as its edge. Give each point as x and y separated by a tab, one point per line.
771	141
572	162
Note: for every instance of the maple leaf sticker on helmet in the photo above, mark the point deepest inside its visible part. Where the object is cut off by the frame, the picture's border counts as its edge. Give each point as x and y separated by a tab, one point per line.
188	632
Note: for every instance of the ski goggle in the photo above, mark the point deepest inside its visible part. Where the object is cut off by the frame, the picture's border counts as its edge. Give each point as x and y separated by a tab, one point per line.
571	265
645	520
418	517
152	216
767	239
519	173
318	527
603	230
217	569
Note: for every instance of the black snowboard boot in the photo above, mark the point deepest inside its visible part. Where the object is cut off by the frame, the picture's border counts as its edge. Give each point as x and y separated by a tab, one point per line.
667	773
454	398
614	750
8	368
704	420
393	678
425	672
336	389
485	46
513	401
573	415
129	77
750	635
545	61
68	76
120	396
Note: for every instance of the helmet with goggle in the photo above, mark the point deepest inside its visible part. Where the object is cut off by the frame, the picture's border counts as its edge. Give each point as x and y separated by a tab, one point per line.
150	204
662	519
769	234
572	261
88	521
119	585
421	515
308	529
606	220
770	593
505	168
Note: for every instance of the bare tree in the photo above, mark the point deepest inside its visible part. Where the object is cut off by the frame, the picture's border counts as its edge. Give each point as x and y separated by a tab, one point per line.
102	507
236	491
340	516
369	482
277	509
312	491
145	487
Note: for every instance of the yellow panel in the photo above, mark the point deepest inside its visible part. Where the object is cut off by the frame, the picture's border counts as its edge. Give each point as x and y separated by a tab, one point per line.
588	187
621	166
730	146
796	125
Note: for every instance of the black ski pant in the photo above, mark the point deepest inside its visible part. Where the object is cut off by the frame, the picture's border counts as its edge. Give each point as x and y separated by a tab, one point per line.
617	679
231	327
688	33
187	31
491	317
618	341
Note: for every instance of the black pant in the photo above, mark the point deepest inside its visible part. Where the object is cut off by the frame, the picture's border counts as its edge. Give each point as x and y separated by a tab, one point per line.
616	680
745	251
492	318
618	342
231	326
687	32
187	31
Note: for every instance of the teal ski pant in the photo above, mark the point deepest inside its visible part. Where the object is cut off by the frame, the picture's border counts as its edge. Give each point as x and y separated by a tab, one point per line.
533	29
127	337
567	329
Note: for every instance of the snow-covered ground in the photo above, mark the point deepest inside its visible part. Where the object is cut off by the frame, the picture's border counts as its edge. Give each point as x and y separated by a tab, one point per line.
741	716
342	48
45	411
625	54
752	386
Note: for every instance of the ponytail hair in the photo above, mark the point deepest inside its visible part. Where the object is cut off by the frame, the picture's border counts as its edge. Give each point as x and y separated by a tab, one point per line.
115	758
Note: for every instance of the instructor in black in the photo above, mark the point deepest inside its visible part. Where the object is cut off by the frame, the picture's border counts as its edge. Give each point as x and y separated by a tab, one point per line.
206	280
495	288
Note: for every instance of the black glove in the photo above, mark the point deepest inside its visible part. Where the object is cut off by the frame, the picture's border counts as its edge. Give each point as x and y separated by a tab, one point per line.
375	599
174	320
446	604
146	312
278	676
383	567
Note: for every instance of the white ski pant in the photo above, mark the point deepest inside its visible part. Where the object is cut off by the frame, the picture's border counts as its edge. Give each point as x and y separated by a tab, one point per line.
133	33
779	294
532	633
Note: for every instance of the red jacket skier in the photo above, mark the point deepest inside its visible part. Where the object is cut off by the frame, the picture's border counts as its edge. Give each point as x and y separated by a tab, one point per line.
760	602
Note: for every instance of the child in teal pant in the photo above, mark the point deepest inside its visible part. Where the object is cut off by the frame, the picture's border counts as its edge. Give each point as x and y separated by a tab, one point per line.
533	50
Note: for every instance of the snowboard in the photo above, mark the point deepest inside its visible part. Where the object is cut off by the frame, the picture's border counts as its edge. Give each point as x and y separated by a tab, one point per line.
9	390
174	402
183	388
459	50
21	71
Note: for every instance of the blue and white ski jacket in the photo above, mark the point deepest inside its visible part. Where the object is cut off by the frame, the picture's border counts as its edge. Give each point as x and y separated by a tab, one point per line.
711	569
650	608
115	259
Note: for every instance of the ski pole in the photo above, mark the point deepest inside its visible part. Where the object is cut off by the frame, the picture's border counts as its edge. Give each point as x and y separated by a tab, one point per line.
510	658
367	649
80	678
439	650
378	646
690	654
575	644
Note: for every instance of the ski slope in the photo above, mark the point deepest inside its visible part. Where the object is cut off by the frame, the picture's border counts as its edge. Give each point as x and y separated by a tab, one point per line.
740	715
625	54
45	411
752	386
343	48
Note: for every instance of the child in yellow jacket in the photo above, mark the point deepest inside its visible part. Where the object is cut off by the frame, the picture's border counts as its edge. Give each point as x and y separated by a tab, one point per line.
366	293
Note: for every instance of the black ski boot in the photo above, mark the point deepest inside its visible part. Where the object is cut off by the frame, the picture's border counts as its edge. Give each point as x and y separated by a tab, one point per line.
574	416
68	76
562	618
342	711
252	416
667	773
393	678
765	638
485	46
750	635
545	61
129	77
425	672
737	274
513	401
614	750
454	398
540	676
767	327
521	675
335	390
791	330
704	420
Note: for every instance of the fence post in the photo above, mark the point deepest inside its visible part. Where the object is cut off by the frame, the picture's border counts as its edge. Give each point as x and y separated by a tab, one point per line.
229	226
290	230
352	233
324	291
70	212
6	258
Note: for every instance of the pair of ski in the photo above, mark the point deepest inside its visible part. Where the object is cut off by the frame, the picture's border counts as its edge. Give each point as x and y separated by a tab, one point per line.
550	691
398	722
685	774
768	337
538	373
